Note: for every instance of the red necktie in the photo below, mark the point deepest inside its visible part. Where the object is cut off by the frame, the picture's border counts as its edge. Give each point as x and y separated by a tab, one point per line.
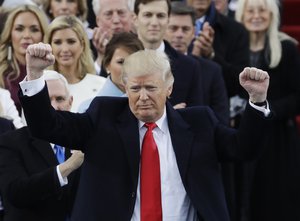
151	209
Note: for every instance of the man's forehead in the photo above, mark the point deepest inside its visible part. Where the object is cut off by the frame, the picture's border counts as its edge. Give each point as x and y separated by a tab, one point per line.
181	19
154	77
159	6
56	86
106	5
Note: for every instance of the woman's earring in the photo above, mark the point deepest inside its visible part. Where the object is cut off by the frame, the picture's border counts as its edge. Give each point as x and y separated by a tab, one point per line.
9	53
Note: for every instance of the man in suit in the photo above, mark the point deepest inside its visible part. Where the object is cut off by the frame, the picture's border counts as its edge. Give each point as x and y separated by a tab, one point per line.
6	125
151	21
179	34
190	142
112	16
222	40
34	185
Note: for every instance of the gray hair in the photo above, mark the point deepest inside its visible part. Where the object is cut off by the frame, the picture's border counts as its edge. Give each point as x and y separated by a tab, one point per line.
147	62
96	5
272	33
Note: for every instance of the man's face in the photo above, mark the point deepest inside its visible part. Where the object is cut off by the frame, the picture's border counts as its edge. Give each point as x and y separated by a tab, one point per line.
180	32
221	5
147	96
59	97
151	22
114	16
201	6
64	7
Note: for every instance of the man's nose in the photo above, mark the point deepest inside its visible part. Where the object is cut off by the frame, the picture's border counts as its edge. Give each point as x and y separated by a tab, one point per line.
115	17
143	94
179	32
54	104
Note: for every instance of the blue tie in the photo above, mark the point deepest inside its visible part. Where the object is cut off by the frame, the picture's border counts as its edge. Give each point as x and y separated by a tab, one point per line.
60	155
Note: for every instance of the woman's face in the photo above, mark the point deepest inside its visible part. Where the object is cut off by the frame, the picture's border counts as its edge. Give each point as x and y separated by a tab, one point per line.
63	7
257	17
115	66
26	30
67	48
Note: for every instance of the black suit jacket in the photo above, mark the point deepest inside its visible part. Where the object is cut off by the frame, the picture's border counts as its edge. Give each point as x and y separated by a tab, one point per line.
214	89
108	134
188	83
231	45
29	184
5	125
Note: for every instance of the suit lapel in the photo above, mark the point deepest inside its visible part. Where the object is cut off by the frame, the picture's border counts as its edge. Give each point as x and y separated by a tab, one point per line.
128	129
45	150
182	139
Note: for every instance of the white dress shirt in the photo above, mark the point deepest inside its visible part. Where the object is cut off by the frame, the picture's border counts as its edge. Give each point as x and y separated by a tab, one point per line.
176	205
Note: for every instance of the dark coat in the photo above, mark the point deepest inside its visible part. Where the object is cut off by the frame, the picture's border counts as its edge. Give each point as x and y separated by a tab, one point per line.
214	89
29	183
108	135
231	46
6	125
276	194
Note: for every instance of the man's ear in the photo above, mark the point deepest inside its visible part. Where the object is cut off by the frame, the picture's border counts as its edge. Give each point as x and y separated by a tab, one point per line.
70	101
134	19
170	89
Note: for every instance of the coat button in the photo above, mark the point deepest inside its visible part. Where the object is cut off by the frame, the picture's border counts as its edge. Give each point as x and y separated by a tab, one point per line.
132	194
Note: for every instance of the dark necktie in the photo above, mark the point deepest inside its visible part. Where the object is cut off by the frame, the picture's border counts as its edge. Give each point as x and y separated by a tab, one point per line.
59	152
151	209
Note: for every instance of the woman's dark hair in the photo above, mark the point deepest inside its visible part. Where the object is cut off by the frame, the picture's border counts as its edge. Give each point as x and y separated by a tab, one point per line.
126	40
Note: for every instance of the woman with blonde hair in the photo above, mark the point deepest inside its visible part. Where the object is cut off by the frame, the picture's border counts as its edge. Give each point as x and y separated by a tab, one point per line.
73	57
25	25
275	192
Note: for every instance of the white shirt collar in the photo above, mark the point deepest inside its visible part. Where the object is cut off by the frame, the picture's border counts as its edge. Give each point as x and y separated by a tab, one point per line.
161	123
161	48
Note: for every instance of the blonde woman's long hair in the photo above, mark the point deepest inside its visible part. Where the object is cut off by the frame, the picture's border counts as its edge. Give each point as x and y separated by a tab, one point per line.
273	40
86	62
7	59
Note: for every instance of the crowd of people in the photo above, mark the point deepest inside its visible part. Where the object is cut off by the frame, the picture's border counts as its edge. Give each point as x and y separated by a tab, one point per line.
148	110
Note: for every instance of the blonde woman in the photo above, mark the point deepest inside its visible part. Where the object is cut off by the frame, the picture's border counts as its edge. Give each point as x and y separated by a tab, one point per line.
73	57
25	25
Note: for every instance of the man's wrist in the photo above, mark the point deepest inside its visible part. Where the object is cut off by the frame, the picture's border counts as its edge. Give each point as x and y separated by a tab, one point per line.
260	104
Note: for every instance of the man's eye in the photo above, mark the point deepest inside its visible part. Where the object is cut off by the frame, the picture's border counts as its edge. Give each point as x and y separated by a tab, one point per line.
60	99
134	89
173	28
